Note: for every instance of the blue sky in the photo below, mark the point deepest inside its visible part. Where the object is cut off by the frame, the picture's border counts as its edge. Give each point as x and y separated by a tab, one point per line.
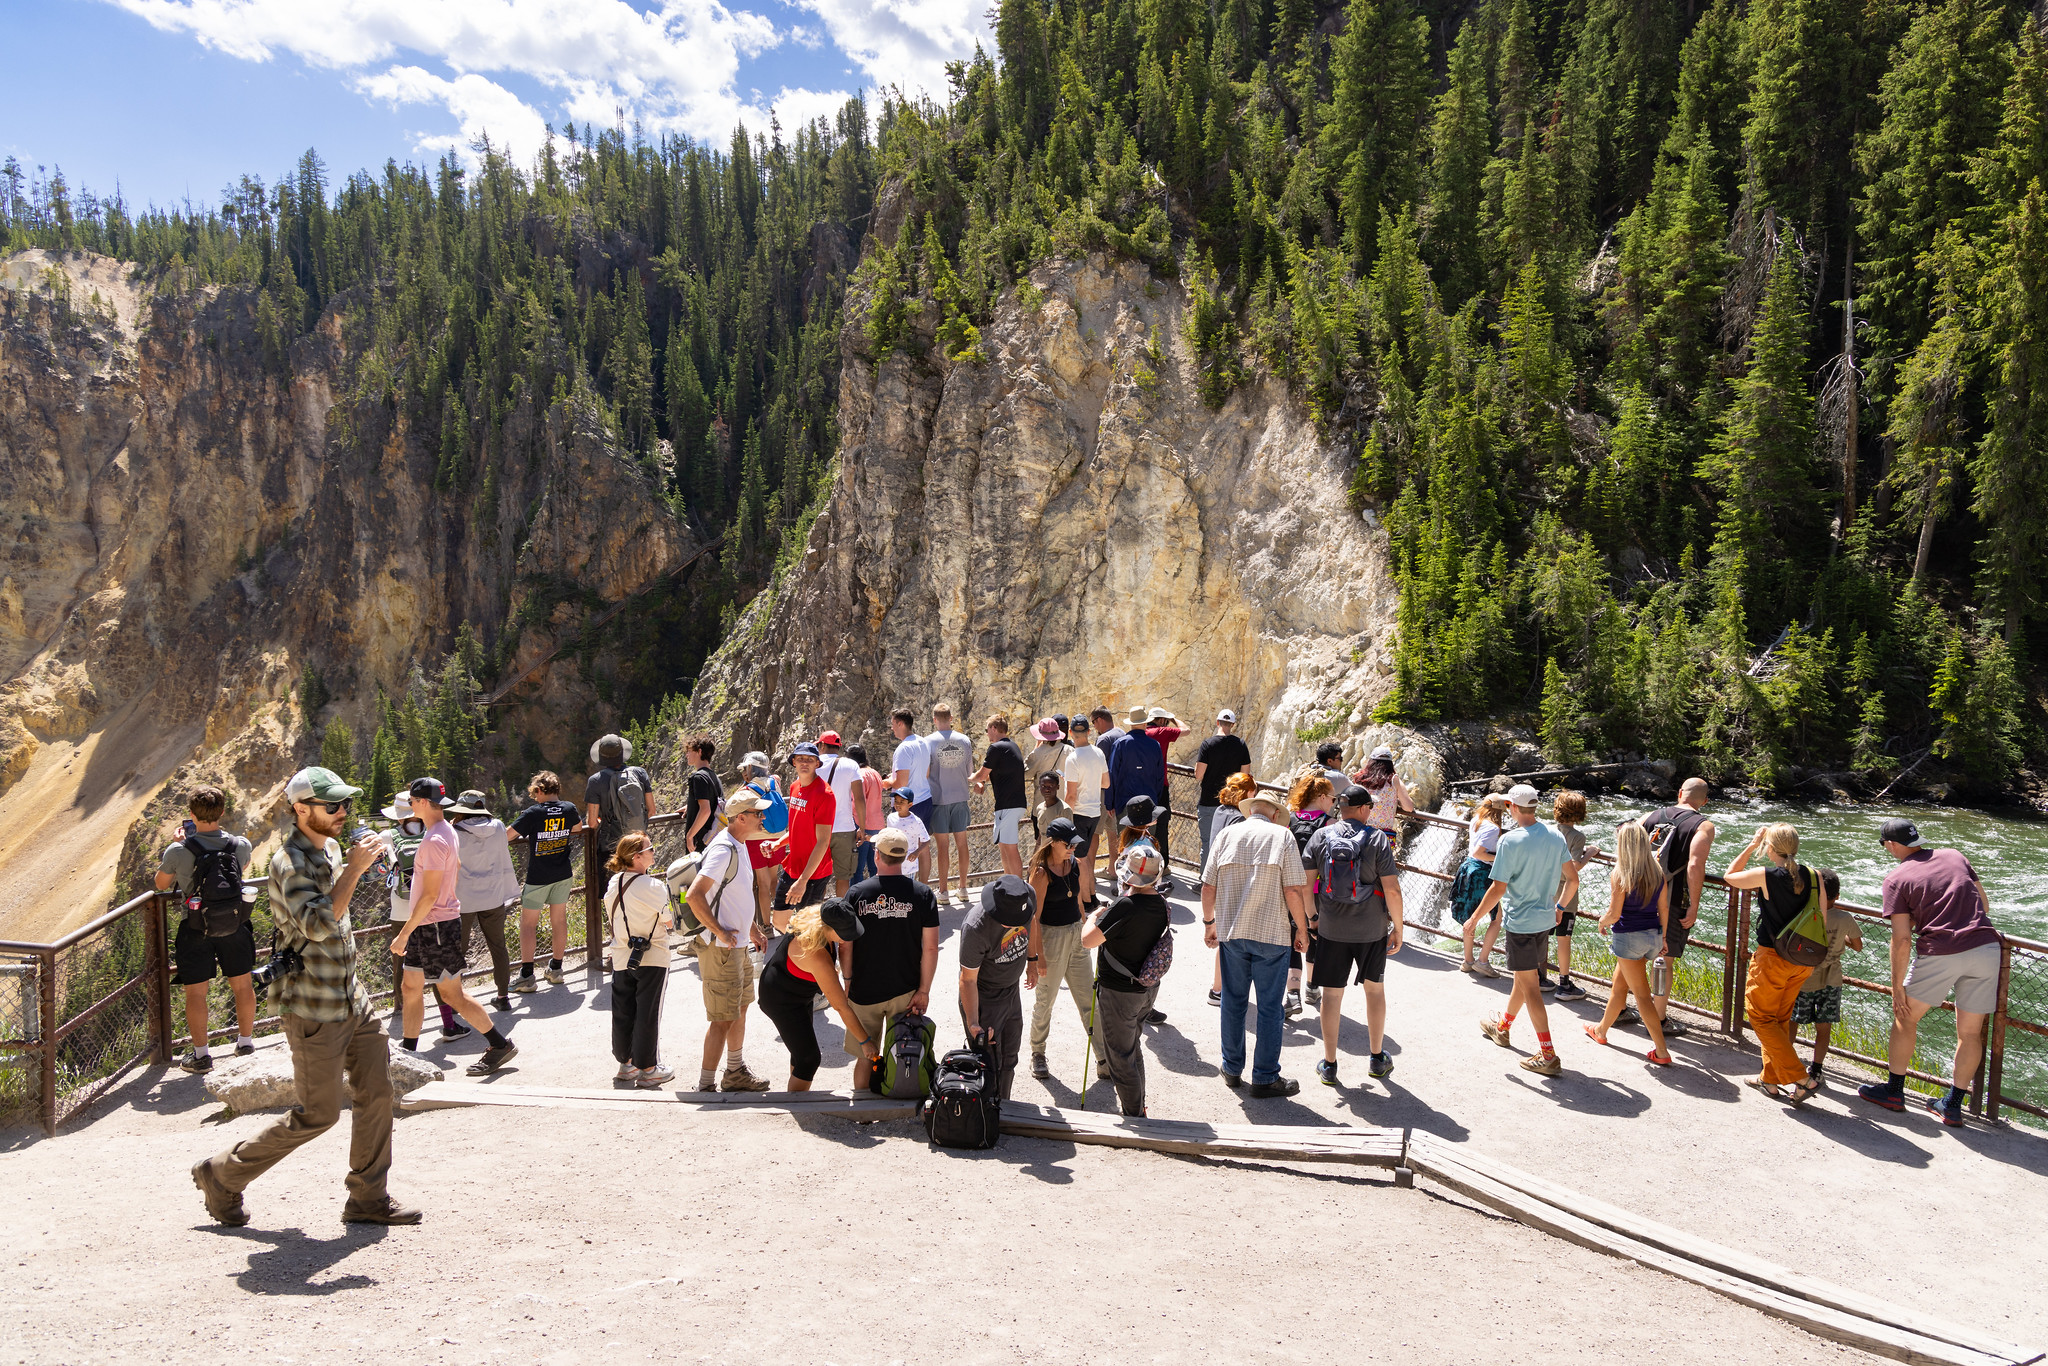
177	98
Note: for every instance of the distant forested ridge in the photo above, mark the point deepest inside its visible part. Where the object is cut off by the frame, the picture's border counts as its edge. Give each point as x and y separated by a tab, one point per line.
1694	356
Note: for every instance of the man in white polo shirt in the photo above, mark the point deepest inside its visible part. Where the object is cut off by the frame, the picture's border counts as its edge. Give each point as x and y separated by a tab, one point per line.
722	899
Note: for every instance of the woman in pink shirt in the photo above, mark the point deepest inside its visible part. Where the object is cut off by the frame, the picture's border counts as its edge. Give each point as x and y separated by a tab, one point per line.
869	813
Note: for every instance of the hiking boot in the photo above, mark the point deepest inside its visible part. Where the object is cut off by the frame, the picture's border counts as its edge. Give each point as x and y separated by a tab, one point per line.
554	976
1948	1110
1292	1007
1232	1080
1275	1089
740	1079
1382	1065
1312	996
1215	998
501	1004
525	985
1882	1093
627	1073
1155	1017
493	1059
390	1212
196	1062
1495	1030
1568	990
457	1030
1544	1064
655	1077
1628	1016
223	1204
1038	1067
1326	1072
1675	1028
243	1050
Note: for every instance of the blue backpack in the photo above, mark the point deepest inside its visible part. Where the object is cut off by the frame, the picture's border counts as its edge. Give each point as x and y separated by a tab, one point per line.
775	819
1140	767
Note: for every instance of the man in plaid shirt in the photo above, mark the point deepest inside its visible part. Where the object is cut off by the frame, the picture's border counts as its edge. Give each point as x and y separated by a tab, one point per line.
327	1017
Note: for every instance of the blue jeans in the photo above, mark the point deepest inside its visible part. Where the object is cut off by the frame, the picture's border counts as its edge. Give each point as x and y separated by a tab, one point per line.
1205	818
864	859
1249	964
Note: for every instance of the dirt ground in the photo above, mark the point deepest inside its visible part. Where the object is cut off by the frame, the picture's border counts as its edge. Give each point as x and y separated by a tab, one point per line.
559	1235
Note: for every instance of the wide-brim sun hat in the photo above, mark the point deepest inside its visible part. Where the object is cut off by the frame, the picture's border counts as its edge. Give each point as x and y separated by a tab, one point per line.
1264	798
1047	729
471	802
744	802
1138	716
625	748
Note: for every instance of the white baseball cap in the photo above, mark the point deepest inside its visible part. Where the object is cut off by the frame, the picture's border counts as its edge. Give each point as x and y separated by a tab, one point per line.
1521	794
1227	715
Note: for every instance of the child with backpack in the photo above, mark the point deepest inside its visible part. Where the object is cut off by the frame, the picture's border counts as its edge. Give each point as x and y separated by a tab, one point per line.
1820	1000
1358	919
1133	942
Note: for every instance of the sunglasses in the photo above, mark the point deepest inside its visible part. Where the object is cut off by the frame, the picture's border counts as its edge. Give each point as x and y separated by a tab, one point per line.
331	808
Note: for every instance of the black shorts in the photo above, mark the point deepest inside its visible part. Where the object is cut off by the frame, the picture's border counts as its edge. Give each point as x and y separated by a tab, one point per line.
1677	934
1334	957
814	891
436	948
199	955
1565	921
1084	826
1528	952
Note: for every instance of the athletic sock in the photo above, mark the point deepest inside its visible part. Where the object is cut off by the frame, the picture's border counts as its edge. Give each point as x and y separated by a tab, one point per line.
1956	1096
733	1058
447	1017
554	965
1543	1042
1897	1082
245	1041
526	968
202	1051
496	1039
707	1078
410	1045
1507	1020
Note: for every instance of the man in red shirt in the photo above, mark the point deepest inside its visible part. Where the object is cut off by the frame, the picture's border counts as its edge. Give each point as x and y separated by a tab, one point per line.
1164	727
806	847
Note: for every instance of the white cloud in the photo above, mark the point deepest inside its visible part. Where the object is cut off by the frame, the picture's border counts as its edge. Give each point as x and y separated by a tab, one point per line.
674	66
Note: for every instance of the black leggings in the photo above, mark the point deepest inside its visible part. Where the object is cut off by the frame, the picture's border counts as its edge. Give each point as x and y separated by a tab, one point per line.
792	1017
636	1015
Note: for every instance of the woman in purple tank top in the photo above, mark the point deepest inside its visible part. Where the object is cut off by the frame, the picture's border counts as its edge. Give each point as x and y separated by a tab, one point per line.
1638	906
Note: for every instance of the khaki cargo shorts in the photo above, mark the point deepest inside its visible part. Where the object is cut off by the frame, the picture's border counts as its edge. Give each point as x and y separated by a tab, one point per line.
871	1018
728	980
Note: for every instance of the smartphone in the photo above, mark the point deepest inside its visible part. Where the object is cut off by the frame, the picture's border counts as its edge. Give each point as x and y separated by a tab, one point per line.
190	828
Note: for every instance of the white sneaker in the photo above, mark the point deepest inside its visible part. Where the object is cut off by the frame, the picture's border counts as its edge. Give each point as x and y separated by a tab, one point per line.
656	1077
627	1072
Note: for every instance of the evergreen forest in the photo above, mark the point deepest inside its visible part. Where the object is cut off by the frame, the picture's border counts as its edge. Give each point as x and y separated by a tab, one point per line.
1693	356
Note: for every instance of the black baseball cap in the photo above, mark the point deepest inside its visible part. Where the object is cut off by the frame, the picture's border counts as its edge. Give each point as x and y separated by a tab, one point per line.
1354	796
429	789
1899	830
1062	829
841	919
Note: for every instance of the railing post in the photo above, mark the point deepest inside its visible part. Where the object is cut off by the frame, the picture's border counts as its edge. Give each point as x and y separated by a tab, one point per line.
1994	1040
46	1005
1731	1001
156	972
593	893
1738	965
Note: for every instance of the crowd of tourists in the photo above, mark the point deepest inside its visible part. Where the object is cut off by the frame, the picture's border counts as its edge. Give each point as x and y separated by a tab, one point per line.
825	894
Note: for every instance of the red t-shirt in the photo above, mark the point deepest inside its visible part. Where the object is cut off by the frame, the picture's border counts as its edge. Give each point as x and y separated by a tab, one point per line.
809	805
1165	735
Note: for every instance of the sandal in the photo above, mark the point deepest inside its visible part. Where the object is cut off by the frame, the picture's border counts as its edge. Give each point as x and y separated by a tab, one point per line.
1595	1037
1802	1093
1664	1061
1771	1089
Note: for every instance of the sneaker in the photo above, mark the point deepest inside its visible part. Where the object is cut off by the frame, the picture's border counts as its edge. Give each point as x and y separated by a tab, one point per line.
525	985
818	1002
1215	998
501	1004
1382	1065
1275	1089
1326	1072
1628	1016
1482	968
493	1059
1881	1093
1568	990
1313	996
739	1079
456	1030
1675	1029
243	1050
627	1073
1293	1006
655	1077
554	977
223	1204
1495	1030
1543	982
390	1212
197	1062
1232	1080
1544	1064
1038	1067
1155	1017
1949	1112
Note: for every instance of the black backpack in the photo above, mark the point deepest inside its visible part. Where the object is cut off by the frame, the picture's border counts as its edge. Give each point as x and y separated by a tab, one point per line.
1671	830
216	895
965	1109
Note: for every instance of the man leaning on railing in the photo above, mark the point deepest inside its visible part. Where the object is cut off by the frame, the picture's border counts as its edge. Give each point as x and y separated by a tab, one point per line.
327	1016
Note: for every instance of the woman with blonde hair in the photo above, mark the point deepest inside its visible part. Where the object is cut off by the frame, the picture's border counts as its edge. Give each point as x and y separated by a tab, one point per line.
1638	907
1469	887
1772	988
637	903
800	963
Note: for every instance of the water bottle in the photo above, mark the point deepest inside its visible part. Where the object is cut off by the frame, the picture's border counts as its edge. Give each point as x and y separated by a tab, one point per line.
375	872
1660	976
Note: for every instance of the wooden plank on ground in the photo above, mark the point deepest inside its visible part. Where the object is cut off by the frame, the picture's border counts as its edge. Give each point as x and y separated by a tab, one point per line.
446	1094
1730	1260
1280	1143
1467	1174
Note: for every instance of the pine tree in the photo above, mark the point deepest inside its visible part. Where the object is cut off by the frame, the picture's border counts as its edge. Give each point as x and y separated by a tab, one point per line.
1379	71
1926	429
630	364
338	750
1460	137
1562	718
689	413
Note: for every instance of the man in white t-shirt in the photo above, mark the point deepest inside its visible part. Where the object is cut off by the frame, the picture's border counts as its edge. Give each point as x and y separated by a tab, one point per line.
722	899
1087	777
911	765
842	775
950	761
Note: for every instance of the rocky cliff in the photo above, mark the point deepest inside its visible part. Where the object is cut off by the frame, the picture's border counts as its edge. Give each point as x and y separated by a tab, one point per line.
1062	524
184	528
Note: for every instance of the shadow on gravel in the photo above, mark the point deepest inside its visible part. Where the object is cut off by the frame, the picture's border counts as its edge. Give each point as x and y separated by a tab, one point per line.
1586	1095
294	1260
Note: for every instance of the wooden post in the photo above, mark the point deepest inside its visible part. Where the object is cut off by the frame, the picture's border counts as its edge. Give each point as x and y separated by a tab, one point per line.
1731	1008
46	1035
593	893
1738	965
156	967
1993	1070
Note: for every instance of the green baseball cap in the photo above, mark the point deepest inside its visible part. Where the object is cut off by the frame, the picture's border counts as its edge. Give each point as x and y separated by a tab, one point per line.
319	785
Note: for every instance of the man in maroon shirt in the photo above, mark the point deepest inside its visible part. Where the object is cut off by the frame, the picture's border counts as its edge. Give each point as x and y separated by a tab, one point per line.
1941	927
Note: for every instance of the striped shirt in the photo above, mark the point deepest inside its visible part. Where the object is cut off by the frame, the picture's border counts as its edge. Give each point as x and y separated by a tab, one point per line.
302	878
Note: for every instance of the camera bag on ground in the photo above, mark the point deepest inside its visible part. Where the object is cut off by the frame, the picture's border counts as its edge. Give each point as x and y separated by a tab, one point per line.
216	888
966	1105
906	1069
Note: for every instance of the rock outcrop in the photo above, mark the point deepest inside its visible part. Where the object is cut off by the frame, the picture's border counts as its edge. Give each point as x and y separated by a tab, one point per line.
1065	524
184	528
264	1080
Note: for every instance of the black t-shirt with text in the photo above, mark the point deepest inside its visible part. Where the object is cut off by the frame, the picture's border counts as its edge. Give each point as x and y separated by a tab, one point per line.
1005	765
1224	755
888	958
549	845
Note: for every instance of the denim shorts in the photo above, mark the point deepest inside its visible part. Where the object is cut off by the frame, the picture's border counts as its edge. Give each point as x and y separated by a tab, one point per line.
1637	945
947	818
1006	824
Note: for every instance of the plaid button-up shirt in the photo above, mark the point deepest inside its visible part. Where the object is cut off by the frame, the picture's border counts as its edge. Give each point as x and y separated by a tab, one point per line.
302	878
1251	865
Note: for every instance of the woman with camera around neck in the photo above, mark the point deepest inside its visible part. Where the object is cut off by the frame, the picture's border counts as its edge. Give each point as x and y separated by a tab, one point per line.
640	919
